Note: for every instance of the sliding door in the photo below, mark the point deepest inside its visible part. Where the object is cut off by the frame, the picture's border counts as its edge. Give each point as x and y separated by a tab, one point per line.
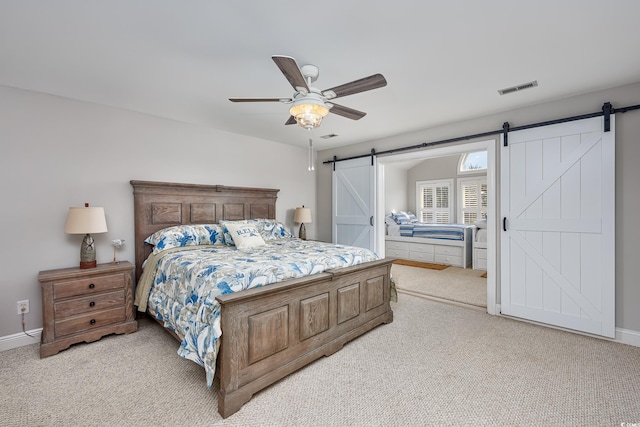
354	202
557	213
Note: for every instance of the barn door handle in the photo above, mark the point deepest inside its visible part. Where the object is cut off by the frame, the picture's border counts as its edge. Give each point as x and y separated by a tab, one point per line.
371	220
504	223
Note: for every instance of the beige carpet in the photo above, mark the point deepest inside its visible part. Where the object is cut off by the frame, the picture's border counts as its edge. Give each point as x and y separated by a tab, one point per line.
454	283
436	364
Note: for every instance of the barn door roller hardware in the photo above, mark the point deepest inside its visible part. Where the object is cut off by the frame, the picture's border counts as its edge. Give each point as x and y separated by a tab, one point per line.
607	110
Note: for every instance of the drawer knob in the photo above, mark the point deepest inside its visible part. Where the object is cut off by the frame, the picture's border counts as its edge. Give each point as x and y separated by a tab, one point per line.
91	286
91	304
93	321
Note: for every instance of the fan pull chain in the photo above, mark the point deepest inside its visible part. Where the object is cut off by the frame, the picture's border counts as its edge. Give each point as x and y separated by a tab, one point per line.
311	159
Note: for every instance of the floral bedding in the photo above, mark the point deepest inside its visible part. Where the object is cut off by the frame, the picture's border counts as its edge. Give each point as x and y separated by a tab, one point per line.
186	281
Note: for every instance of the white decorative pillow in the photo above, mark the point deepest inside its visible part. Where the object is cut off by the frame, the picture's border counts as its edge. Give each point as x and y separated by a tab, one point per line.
245	235
388	219
481	223
269	229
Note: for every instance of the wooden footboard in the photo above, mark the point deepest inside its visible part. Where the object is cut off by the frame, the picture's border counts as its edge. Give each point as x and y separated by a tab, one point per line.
272	331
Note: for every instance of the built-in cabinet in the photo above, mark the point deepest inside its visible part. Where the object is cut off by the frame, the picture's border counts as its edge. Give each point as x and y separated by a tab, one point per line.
450	252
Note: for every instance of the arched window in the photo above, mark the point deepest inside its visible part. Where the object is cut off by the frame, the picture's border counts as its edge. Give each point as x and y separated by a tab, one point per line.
473	162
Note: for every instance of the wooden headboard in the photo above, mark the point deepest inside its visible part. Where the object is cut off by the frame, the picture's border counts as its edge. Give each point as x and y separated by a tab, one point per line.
158	205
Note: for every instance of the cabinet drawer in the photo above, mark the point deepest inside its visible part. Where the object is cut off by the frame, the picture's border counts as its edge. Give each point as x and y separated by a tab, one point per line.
481	254
421	256
420	247
90	285
481	264
392	244
89	321
449	260
397	253
89	303
449	250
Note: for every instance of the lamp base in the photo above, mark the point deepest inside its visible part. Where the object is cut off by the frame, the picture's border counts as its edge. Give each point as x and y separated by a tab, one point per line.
88	252
88	264
303	232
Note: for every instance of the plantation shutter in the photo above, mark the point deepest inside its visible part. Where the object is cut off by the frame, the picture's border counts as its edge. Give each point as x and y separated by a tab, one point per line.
434	201
473	200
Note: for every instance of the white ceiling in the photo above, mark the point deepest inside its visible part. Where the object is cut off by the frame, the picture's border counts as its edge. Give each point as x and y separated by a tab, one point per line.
443	61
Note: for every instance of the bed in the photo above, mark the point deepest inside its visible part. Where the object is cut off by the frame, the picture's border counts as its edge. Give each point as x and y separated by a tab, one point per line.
449	244
268	331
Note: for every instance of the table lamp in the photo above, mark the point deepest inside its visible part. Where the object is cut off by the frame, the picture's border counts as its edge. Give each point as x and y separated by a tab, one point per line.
85	221
302	215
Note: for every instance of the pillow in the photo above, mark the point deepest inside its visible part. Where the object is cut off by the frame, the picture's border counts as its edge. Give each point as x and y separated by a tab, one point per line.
185	235
412	217
401	218
244	236
269	229
481	223
388	219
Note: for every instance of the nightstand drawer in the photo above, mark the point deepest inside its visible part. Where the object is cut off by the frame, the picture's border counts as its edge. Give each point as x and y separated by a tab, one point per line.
89	303
85	286
89	321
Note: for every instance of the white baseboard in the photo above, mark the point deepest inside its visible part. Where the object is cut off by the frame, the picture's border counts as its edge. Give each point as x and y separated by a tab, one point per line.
626	336
20	339
623	336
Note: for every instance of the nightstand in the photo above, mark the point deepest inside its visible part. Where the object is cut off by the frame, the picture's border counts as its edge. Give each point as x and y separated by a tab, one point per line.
85	305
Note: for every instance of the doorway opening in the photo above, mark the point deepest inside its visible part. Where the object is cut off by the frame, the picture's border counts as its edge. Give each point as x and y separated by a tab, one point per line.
389	172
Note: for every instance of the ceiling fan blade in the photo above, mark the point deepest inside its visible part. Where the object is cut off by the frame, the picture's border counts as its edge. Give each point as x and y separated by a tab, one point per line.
347	112
260	99
291	121
368	83
291	71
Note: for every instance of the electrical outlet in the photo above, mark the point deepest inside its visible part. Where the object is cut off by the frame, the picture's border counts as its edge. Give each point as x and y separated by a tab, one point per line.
23	306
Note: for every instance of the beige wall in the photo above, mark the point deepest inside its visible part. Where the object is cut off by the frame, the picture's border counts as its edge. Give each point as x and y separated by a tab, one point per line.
627	174
395	197
58	153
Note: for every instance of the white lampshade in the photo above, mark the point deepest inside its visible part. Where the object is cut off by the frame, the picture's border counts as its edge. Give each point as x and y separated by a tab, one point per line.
302	215
86	220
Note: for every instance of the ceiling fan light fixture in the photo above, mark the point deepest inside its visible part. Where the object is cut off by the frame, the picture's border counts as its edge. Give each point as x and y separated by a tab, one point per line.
308	112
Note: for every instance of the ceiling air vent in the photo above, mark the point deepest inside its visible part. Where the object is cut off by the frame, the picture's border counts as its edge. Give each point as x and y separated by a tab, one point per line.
517	88
328	136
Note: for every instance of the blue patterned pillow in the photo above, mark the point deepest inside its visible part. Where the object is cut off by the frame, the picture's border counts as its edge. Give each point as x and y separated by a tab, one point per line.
412	217
185	235
270	229
401	218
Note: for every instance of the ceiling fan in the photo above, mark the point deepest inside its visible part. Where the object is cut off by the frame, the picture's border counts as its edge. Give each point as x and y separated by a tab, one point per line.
310	105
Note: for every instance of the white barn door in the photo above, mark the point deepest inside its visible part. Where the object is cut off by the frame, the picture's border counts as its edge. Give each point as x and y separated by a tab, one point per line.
557	205
354	203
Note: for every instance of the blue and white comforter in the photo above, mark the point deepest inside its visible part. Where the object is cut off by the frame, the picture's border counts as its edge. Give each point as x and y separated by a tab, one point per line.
187	281
434	231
